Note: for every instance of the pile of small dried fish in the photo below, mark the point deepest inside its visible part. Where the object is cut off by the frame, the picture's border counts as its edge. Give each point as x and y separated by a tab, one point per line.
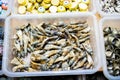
110	6
112	47
52	47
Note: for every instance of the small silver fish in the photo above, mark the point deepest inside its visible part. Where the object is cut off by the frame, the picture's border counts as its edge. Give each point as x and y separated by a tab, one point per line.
80	63
50	53
51	47
66	50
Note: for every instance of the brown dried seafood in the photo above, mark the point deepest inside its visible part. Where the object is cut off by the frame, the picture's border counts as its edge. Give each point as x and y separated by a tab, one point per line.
52	47
112	47
110	6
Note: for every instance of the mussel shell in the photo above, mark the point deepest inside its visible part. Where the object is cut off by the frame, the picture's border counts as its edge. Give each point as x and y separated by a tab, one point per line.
117	44
109	54
109	47
107	30
110	67
117	36
111	39
117	51
114	31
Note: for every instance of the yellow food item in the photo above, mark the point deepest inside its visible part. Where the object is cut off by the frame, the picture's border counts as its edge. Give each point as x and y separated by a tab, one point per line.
53	9
86	1
66	3
83	7
41	9
61	2
61	9
77	1
47	1
46	6
55	2
73	6
34	11
52	6
36	5
29	7
39	1
47	11
23	2
32	1
22	9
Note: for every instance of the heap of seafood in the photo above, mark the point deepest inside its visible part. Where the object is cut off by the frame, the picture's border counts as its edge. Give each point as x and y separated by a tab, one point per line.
55	46
112	47
110	6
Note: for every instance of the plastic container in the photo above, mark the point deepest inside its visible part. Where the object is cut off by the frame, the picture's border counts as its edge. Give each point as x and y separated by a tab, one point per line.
8	10
15	21
2	20
102	13
105	22
14	8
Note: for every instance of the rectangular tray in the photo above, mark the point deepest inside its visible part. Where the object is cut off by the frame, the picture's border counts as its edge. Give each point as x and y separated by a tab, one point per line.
112	22
15	21
102	13
15	5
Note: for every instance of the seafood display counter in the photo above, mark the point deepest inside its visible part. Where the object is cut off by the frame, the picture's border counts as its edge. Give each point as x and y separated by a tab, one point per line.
60	37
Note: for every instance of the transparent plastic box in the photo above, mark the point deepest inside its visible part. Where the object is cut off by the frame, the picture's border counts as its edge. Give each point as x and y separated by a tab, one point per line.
15	21
105	22
102	13
14	8
8	10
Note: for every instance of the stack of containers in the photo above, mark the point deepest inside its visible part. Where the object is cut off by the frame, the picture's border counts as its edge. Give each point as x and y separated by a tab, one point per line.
110	13
17	20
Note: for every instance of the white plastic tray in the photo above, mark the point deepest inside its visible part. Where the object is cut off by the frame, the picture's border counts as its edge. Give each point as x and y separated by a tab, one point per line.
15	21
2	20
8	10
14	8
112	22
102	13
